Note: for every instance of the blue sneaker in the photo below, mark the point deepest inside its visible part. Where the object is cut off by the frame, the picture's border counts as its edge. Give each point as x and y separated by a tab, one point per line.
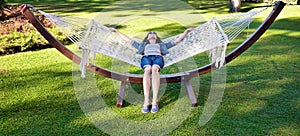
154	109
146	109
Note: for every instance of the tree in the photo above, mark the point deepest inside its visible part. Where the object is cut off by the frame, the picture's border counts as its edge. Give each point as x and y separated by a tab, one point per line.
235	5
298	2
2	3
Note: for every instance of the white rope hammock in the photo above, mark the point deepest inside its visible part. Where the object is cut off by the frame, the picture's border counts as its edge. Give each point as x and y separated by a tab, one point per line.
212	36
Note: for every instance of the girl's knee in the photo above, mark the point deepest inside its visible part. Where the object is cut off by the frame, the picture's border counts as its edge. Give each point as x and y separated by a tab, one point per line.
147	70
155	69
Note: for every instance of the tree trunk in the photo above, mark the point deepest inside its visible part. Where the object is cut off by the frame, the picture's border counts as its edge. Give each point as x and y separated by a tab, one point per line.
235	5
298	2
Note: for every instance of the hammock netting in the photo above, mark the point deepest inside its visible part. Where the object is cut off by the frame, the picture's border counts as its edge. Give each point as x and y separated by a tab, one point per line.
212	36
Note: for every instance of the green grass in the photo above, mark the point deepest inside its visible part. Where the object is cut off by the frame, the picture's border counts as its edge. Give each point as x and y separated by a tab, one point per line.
37	95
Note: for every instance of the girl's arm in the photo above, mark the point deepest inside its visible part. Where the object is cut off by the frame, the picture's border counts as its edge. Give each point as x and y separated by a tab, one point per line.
179	39
123	36
126	38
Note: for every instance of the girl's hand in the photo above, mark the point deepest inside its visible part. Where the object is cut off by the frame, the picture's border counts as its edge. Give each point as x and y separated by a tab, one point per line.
113	29
189	30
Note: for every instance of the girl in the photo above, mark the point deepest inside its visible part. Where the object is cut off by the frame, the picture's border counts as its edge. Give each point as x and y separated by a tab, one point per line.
152	49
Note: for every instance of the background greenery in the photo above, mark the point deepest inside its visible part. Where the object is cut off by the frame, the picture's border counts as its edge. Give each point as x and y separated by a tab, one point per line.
261	98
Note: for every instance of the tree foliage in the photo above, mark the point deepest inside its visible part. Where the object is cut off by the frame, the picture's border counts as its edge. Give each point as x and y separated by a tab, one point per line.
2	3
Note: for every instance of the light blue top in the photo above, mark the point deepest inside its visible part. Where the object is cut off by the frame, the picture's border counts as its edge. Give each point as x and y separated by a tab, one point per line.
152	49
163	47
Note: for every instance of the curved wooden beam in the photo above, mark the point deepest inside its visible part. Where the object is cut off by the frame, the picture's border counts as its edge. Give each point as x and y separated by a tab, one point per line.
135	78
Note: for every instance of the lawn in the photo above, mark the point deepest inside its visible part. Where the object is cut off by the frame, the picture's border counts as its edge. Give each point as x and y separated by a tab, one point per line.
40	90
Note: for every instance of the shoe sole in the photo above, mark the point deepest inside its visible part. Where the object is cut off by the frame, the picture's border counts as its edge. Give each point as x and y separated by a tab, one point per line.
144	112
153	112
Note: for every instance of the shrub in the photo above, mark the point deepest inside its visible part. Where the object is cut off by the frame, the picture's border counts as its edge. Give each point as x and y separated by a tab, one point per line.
2	3
19	42
18	35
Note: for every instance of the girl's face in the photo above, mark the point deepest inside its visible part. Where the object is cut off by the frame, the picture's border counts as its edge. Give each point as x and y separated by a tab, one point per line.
152	35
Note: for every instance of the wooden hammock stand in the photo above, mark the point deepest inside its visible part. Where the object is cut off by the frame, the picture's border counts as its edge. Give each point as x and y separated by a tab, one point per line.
169	78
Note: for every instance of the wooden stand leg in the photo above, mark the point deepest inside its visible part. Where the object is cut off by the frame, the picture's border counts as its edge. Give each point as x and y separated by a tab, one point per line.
121	94
191	93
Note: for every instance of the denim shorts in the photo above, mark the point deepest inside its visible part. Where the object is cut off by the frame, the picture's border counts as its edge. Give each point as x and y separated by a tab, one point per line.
151	60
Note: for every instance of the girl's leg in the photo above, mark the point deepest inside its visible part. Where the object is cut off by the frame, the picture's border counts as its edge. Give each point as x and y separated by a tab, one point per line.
155	83
146	84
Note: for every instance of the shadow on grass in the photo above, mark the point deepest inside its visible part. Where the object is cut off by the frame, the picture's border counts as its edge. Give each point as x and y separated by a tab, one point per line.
66	6
96	6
